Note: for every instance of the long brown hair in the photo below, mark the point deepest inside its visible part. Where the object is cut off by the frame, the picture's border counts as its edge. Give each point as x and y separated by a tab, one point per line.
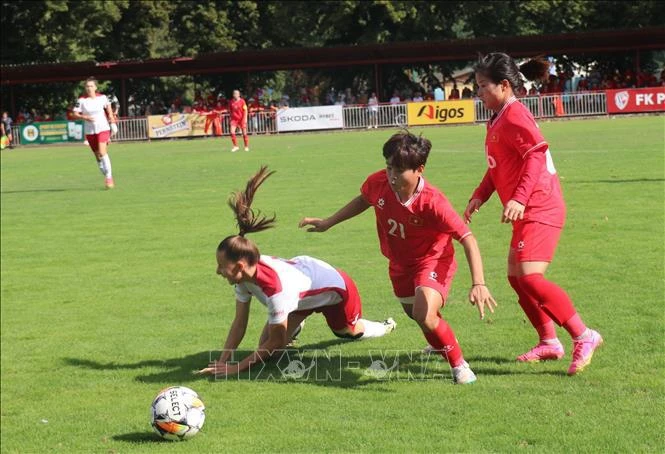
236	247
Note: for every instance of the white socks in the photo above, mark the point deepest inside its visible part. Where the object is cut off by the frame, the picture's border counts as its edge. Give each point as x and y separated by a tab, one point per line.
373	329
106	163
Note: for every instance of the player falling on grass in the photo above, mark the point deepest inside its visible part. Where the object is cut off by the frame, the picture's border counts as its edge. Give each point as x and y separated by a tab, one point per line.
290	289
95	109
521	171
416	225
238	112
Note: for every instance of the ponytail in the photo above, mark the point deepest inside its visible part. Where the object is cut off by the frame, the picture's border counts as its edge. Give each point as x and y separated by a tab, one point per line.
241	203
236	247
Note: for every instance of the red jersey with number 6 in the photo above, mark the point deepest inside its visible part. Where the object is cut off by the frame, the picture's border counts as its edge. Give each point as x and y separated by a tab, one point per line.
512	136
418	230
237	108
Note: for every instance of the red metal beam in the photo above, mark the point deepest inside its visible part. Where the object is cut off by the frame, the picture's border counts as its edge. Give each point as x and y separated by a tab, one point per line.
334	57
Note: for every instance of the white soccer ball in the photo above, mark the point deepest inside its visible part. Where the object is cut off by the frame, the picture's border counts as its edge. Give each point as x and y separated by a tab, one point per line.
178	413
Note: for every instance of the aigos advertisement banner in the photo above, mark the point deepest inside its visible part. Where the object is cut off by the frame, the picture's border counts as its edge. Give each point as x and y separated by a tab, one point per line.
52	132
176	125
310	118
440	112
636	100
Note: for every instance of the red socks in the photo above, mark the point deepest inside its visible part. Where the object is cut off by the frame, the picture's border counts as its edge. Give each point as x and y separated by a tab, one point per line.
443	339
234	140
553	301
246	140
539	319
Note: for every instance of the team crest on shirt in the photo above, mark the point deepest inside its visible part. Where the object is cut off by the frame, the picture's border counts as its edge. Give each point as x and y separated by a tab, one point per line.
380	203
433	275
415	220
520	245
494	138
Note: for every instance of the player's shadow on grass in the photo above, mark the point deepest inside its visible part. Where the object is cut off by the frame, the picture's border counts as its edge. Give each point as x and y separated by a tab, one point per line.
140	438
628	180
24	191
175	370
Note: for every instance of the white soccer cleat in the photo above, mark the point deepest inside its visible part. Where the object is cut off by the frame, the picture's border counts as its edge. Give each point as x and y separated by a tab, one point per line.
246	148
390	325
234	149
463	375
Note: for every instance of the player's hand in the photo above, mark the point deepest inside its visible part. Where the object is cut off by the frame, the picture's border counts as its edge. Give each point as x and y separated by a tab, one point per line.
215	368
317	224
480	296
513	211
114	129
472	207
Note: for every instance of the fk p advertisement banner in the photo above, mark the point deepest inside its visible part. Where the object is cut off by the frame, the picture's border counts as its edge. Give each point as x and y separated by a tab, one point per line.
636	100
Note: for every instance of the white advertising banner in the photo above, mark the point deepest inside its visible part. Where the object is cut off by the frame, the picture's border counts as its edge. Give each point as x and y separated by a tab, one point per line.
309	118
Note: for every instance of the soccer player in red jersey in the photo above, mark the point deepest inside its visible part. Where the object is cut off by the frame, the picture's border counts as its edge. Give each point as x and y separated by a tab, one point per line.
95	109
290	289
522	172
238	111
416	225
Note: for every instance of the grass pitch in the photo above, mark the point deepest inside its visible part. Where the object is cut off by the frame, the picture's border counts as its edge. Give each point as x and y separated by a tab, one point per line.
109	296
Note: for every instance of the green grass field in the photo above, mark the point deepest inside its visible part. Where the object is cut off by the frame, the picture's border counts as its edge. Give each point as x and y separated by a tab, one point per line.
109	296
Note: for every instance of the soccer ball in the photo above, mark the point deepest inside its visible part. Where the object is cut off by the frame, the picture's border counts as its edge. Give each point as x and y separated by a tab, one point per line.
177	413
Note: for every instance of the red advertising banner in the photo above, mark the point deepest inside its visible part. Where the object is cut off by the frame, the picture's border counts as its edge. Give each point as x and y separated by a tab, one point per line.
632	100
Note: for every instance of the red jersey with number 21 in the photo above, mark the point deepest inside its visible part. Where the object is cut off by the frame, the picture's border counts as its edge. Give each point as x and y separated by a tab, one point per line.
418	230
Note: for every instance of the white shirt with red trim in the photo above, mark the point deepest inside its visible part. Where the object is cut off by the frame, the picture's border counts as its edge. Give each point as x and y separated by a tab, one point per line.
285	286
96	108
418	230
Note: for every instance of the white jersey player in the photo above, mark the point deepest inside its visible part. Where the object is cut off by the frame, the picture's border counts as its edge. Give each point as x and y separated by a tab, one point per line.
96	110
290	289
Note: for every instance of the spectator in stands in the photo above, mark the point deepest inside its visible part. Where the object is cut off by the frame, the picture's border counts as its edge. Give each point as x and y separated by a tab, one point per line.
6	130
454	93
340	99
533	91
395	99
373	111
362	98
467	93
417	97
439	94
349	97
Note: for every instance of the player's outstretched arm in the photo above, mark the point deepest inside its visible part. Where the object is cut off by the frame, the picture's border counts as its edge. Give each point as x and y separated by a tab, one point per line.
479	295
236	332
276	340
351	209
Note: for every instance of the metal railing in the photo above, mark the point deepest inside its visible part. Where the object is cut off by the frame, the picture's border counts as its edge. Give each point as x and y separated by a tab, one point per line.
386	115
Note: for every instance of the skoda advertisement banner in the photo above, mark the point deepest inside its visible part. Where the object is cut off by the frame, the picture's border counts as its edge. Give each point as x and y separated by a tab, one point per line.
310	118
440	112
636	100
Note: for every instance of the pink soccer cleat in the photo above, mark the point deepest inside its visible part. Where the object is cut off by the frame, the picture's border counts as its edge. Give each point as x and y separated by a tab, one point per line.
110	184
583	351
543	352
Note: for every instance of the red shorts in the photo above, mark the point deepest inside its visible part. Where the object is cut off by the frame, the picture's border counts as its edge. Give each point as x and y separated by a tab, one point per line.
435	274
534	241
344	314
238	124
95	139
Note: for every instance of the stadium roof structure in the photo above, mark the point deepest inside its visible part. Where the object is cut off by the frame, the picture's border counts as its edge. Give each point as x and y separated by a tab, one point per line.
630	40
